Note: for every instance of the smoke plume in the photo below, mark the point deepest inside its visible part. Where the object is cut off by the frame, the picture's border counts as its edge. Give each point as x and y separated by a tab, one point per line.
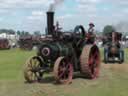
53	5
122	27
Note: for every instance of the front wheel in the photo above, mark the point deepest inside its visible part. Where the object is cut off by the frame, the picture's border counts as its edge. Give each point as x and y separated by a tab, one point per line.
105	56
121	57
32	70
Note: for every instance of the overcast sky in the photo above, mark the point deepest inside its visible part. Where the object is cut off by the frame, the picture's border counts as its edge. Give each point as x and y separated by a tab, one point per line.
29	15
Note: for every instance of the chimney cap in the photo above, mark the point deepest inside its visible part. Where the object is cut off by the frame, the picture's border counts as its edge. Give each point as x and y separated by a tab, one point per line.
50	11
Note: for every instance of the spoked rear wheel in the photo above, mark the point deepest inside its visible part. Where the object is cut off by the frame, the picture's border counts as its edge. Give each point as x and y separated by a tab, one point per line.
90	61
32	70
63	71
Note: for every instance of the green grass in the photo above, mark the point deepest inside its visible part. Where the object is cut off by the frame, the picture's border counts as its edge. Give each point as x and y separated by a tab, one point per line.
11	63
126	56
113	80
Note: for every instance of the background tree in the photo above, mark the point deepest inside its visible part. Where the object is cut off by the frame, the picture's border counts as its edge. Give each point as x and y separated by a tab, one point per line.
18	33
8	31
108	29
37	33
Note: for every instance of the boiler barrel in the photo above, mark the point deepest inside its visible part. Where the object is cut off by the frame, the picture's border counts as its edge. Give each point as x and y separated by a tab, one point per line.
54	50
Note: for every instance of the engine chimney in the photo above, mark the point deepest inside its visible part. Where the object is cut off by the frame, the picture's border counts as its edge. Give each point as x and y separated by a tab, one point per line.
50	23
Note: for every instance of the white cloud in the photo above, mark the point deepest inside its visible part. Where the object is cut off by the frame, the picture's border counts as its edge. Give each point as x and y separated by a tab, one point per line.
37	15
86	8
117	2
113	2
87	1
125	10
85	11
66	16
3	11
34	17
23	3
1	19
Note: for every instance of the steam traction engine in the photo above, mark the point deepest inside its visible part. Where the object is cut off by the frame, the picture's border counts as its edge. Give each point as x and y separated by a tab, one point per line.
4	44
63	53
113	51
29	42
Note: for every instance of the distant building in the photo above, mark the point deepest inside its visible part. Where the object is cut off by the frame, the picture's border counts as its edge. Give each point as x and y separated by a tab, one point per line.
13	38
9	36
3	35
126	37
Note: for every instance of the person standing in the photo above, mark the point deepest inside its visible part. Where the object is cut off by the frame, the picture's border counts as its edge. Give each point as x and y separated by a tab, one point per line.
91	28
91	34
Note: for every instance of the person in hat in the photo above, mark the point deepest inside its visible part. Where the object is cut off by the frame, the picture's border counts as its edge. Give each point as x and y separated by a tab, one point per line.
91	38
91	28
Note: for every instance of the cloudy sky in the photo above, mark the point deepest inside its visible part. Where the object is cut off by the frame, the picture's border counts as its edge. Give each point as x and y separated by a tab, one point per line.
29	15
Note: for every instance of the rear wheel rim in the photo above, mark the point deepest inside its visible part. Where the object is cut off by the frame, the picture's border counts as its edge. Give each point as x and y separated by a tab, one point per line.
94	61
90	61
63	71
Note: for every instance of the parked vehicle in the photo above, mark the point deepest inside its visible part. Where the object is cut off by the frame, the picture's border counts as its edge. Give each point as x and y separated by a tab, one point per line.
113	51
4	44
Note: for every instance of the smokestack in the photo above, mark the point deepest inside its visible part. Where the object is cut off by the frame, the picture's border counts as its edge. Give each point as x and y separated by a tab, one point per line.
50	22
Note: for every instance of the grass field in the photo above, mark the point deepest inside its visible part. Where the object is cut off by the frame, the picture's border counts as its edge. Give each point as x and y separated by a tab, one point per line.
113	80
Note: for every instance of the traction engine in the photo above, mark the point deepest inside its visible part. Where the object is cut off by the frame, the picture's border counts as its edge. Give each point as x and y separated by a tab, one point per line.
63	53
4	44
113	51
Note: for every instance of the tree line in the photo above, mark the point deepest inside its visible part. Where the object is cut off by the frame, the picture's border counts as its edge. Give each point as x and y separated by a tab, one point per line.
21	33
106	30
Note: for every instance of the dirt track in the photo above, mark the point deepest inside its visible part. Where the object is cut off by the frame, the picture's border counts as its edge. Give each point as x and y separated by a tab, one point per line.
113	78
116	67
